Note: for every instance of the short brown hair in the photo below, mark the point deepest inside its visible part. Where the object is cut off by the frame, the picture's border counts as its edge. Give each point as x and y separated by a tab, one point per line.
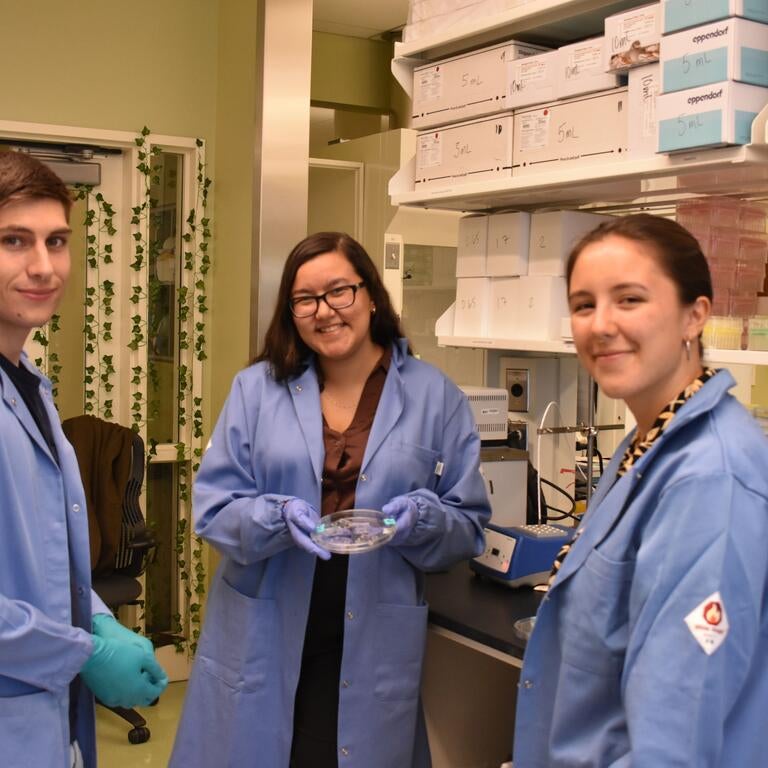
23	177
283	347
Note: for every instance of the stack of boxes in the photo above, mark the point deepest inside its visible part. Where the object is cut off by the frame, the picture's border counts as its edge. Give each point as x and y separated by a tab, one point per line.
714	70
632	43
510	271
732	235
515	109
463	101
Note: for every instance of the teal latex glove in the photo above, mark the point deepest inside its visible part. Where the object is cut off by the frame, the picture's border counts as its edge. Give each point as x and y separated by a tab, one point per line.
122	674
106	626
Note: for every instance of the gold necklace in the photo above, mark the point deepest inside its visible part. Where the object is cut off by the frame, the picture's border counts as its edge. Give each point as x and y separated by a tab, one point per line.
338	404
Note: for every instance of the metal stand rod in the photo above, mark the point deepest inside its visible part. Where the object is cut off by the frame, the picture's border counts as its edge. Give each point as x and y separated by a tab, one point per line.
591	436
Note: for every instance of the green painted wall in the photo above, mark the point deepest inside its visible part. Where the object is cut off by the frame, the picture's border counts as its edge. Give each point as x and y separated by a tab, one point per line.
111	65
351	72
234	195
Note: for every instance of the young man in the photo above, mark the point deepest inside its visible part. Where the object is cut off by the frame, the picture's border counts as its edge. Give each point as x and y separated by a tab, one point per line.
59	644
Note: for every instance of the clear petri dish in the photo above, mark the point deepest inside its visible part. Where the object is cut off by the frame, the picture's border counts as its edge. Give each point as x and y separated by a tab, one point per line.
353	530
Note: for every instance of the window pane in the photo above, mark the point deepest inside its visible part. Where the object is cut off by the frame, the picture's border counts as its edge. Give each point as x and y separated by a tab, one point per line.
164	274
161	604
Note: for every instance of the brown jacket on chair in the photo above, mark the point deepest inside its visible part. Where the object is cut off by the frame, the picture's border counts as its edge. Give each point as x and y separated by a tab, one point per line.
104	454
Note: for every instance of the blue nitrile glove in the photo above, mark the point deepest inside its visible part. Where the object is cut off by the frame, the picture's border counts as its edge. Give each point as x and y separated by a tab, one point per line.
122	674
405	511
301	518
106	626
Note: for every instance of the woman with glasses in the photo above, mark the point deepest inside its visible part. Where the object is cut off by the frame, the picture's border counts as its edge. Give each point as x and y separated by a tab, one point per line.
307	659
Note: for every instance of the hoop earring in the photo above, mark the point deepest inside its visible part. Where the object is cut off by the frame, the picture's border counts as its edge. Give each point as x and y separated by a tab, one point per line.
687	343
373	309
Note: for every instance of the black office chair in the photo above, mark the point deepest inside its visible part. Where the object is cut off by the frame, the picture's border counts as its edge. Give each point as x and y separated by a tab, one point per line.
95	440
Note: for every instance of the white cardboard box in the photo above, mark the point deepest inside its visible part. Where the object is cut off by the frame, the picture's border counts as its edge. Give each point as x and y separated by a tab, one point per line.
466	86
644	87
562	134
508	237
530	307
504	309
542	305
681	14
553	234
581	69
472	246
709	116
533	79
471	309
731	49
632	38
465	152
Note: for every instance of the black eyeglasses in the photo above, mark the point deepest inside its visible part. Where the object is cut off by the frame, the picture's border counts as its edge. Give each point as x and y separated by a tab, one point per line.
340	297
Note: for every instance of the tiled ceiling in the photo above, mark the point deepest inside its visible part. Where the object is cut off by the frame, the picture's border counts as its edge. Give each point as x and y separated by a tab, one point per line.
359	18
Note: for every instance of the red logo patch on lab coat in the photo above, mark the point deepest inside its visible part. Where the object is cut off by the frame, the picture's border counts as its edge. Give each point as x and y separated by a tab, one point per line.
713	613
708	623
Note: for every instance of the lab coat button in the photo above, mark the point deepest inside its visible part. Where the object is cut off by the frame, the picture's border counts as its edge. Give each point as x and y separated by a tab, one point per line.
363	477
345	683
344	751
13	402
75	507
80	591
298	387
528	684
350	615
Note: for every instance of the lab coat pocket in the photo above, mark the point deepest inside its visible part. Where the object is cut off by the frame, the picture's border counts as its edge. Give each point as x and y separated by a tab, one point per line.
401	632
31	731
238	637
415	465
596	614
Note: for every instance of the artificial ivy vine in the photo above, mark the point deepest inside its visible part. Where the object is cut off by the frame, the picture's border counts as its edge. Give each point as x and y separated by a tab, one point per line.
99	297
191	308
192	311
49	363
139	218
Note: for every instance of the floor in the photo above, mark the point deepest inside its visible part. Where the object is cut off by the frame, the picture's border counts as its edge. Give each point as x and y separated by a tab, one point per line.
115	751
112	733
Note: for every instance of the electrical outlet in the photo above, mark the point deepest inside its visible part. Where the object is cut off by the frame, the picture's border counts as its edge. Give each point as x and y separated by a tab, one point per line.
517	383
392	255
517	435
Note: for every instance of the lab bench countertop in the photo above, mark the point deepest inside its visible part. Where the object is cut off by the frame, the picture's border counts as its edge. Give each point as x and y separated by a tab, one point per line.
479	609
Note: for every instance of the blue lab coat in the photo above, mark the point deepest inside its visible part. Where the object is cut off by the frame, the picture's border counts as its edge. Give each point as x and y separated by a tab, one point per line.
613	677
268	445
43	541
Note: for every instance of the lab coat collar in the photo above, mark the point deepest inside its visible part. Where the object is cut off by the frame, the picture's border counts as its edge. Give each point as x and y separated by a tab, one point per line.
599	520
305	393
15	403
390	405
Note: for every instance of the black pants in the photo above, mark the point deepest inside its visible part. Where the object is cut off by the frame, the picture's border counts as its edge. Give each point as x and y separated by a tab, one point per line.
316	708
